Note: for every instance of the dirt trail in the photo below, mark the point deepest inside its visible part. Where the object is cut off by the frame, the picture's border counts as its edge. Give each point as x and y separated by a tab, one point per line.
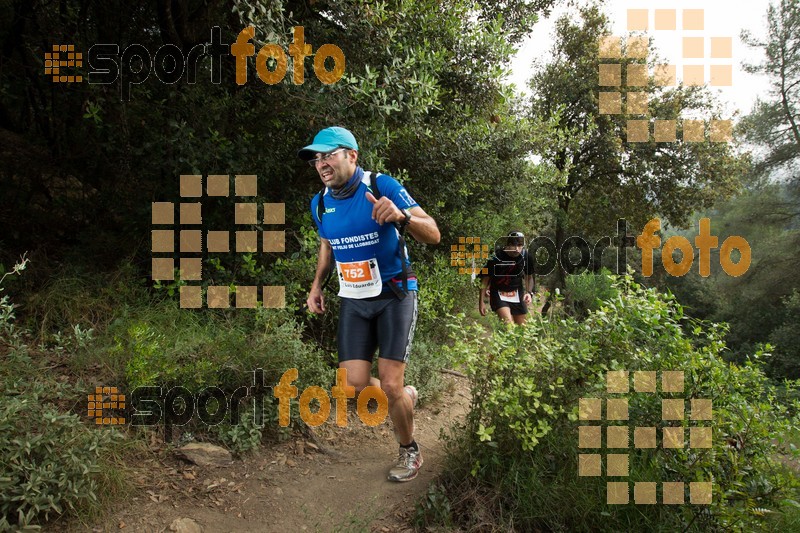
294	486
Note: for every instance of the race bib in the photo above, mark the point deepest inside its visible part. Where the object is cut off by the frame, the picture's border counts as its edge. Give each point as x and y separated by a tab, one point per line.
359	279
509	296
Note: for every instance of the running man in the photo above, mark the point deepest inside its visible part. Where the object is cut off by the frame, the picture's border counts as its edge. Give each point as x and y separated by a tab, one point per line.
509	280
360	218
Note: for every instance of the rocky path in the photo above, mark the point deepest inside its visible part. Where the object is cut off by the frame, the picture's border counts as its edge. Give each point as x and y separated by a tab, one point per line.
337	483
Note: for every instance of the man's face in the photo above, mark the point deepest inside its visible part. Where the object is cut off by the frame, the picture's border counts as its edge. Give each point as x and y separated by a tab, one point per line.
335	168
513	249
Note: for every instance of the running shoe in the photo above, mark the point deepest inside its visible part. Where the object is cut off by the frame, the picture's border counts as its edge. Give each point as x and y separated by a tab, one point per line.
407	467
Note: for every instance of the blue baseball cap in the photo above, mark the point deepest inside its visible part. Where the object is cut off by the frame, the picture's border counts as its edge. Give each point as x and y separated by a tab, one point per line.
328	140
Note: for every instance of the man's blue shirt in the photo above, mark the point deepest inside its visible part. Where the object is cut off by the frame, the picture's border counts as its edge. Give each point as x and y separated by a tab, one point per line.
353	234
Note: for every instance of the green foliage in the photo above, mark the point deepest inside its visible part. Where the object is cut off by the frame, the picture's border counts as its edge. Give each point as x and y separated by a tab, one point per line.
757	303
774	122
430	75
434	508
165	345
785	362
51	462
599	176
181	349
68	308
443	292
246	435
296	270
587	291
517	455
759	307
7	327
473	172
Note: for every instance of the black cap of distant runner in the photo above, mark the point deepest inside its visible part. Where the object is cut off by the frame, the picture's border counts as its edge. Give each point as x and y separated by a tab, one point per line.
516	238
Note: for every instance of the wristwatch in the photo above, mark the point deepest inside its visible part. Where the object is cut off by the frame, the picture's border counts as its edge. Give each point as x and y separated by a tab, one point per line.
406	220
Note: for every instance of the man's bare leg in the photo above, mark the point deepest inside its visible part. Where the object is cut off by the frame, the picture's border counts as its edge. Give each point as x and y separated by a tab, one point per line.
401	410
358	374
401	406
505	314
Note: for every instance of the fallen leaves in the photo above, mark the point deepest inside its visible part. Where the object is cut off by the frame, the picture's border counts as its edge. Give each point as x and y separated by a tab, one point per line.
157	498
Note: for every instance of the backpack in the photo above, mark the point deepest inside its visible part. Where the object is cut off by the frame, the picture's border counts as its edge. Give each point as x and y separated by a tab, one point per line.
401	243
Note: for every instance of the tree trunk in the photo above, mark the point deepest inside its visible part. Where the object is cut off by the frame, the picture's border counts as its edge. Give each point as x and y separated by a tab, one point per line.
561	275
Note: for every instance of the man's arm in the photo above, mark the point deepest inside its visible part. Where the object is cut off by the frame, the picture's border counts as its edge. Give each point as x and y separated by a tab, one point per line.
528	298
422	226
528	282
316	300
481	294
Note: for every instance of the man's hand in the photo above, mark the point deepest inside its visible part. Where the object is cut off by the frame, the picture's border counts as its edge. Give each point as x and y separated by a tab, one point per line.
421	226
482	306
384	210
316	301
527	298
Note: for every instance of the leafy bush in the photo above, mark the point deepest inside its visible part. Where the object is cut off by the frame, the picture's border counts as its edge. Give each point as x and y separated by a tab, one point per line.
435	507
786	338
442	291
246	435
515	462
76	297
51	462
151	341
8	330
165	345
587	291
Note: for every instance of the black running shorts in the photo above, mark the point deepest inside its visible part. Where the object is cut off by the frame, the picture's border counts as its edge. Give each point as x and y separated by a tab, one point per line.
385	323
516	308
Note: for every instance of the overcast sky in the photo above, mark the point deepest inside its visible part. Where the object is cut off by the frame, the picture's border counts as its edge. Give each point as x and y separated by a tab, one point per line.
721	19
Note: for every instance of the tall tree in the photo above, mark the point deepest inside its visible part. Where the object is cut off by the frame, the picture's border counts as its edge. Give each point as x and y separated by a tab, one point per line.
758	304
774	122
603	177
77	159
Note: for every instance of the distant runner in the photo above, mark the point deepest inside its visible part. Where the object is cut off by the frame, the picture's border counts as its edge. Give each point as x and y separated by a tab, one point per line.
509	280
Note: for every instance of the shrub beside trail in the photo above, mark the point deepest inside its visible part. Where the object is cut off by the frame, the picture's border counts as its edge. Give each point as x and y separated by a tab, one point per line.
514	463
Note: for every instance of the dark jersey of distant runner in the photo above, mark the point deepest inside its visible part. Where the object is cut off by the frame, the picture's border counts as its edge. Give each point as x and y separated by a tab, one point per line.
507	273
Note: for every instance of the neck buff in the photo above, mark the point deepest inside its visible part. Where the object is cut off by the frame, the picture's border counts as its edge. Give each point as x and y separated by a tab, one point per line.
348	189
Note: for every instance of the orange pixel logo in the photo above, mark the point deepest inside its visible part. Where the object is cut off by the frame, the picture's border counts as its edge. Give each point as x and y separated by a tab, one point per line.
53	63
617	438
472	249
694	47
105	398
191	242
